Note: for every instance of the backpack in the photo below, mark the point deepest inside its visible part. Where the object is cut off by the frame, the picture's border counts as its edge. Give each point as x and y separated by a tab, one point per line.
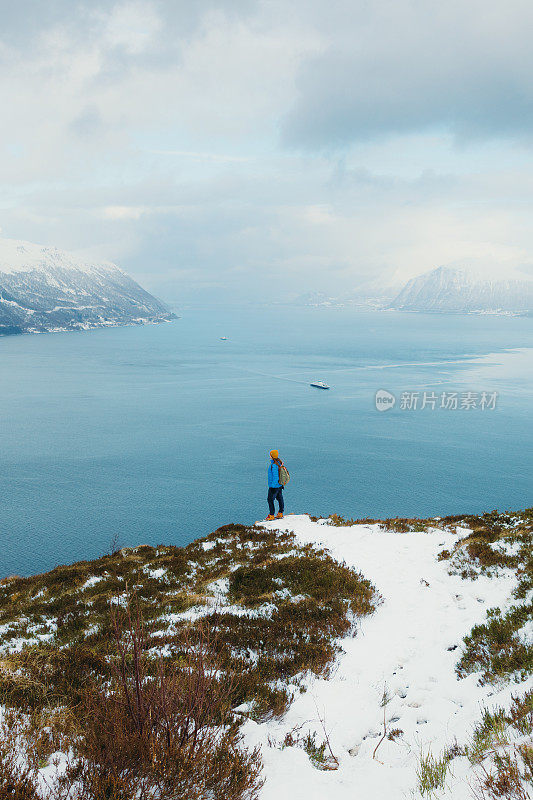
284	476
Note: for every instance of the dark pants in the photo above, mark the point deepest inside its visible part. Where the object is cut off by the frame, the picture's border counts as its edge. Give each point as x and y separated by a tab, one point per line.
275	494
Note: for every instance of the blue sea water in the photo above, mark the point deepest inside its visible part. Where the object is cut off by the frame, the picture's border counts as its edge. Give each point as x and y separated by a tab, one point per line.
161	434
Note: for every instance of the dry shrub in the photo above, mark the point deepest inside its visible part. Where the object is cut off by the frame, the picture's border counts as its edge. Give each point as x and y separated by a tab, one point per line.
165	732
521	713
44	676
16	781
504	781
33	737
504	765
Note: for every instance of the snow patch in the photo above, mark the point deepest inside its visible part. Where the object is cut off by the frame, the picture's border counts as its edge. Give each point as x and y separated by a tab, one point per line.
410	645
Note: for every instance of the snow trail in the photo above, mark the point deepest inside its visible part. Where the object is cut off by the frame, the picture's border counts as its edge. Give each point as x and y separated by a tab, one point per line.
410	645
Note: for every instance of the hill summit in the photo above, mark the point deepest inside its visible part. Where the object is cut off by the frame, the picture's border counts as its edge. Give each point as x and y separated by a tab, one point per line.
466	289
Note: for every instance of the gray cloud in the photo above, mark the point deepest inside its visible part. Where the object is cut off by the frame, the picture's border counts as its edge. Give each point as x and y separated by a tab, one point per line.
409	66
26	20
236	146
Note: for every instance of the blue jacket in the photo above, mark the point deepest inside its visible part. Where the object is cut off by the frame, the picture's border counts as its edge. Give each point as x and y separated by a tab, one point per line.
273	476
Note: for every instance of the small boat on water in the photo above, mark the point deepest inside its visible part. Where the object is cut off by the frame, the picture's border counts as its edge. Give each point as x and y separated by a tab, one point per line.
223	338
319	385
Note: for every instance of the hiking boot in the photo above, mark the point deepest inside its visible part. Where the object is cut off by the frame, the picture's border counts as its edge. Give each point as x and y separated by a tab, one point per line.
279	516
270	516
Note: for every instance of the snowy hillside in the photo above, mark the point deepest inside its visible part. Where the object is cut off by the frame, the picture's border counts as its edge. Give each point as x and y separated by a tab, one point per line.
451	289
45	289
345	659
409	648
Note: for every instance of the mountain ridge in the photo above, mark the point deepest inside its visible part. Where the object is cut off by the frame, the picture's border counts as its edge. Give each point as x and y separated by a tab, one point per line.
465	290
45	289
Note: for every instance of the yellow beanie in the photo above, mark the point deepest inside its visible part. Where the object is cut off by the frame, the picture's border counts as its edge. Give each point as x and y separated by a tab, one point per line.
274	454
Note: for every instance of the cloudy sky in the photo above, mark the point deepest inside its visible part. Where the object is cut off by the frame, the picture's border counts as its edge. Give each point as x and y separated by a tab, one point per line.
237	148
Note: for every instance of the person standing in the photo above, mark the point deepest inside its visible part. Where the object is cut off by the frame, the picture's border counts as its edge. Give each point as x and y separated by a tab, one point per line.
275	486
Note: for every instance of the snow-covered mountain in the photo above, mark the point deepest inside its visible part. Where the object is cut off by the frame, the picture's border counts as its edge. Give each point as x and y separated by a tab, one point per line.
464	289
45	289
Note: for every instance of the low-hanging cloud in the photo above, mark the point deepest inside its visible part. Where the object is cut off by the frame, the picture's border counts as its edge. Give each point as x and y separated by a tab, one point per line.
240	145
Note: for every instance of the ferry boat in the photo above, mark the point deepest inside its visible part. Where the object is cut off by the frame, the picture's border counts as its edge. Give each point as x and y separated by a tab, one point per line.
319	385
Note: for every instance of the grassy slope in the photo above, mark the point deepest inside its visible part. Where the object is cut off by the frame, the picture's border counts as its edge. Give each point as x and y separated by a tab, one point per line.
275	610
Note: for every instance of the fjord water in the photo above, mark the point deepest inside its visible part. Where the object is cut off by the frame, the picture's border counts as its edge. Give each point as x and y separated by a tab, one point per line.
161	434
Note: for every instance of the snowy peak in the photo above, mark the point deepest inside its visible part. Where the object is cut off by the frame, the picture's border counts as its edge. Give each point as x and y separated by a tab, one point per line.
19	256
45	289
466	289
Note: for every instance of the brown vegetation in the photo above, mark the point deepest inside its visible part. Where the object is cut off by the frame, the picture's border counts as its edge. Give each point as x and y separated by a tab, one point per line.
143	694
